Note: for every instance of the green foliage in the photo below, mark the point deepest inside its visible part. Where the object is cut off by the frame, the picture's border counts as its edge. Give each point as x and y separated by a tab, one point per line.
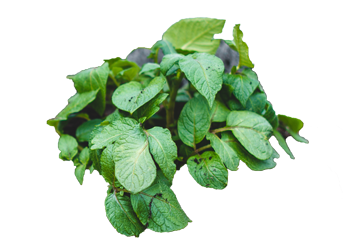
138	126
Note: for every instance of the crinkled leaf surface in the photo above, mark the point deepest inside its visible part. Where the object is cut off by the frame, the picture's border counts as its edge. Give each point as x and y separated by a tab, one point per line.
241	47
112	132
256	102
271	116
208	170
195	34
194	121
243	85
84	156
93	79
252	162
107	164
157	208
169	61
80	172
205	72
84	131
120	213
151	107
135	168
75	104
219	112
282	142
68	147
224	151
164	150
294	124
130	96
252	131
149	67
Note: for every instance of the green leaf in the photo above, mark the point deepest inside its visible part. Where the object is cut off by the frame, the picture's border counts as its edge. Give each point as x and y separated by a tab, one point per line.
120	213
135	168
256	102
107	164
282	142
300	139
243	84
252	131
95	158
239	45
75	104
151	107
252	162
168	61
271	116
194	121
205	72
68	147
163	149
224	151
208	170
158	209
93	79
195	34
112	132
80	173
84	131
122	69
164	45
294	124
160	178
219	112
130	96
84	156
149	67
116	115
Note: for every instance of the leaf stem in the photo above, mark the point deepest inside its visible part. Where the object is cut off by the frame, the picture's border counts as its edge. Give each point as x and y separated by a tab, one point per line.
221	130
170	108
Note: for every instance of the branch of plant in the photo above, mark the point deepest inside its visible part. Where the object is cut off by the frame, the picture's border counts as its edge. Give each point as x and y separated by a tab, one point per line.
174	87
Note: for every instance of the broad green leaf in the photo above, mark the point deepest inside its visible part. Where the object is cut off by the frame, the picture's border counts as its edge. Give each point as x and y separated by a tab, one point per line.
160	178
84	131
195	34
84	156
164	45
185	152
234	105
93	79
122	69
282	142
80	172
130	96
163	149
252	162
149	67
243	84
294	124
296	136
219	112
241	47
90	172
75	104
271	116
151	107
120	213
158	209
252	131
168	61
224	151
95	158
116	115
135	168
194	121
205	72
112	132
68	147
208	170
256	102
107	164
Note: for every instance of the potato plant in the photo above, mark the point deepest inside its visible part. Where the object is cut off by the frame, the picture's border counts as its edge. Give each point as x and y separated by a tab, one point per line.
136	126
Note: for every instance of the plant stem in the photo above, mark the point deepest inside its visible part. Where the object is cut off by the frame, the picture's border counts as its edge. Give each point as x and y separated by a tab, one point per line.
170	108
221	130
